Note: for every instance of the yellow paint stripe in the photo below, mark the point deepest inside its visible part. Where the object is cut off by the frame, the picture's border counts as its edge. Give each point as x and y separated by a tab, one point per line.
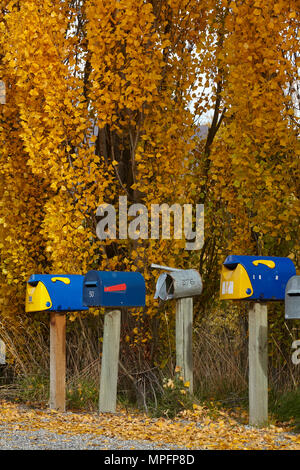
65	280
267	262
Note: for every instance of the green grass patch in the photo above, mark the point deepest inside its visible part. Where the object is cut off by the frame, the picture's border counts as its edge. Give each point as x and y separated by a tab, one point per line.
174	398
82	395
286	407
32	389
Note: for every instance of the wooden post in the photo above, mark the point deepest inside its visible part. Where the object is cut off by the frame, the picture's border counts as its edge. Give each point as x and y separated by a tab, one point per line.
57	361
109	363
184	338
2	353
2	92
258	365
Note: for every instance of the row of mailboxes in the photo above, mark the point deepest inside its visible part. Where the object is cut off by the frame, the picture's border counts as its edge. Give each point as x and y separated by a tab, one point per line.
66	293
255	278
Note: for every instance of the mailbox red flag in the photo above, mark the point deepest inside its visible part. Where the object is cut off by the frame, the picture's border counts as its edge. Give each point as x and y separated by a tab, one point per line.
116	288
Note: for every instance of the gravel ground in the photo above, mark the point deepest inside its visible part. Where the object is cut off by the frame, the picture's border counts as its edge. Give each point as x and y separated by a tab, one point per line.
25	428
16	439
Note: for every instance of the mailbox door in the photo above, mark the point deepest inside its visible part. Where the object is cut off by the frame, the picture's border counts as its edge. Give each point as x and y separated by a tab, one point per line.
37	297
163	289
235	283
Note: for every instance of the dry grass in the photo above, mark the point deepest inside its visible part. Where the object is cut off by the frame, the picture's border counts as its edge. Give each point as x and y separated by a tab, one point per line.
220	359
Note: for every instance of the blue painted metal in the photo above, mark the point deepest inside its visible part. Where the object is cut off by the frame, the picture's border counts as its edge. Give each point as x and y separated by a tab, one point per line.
114	289
65	291
267	283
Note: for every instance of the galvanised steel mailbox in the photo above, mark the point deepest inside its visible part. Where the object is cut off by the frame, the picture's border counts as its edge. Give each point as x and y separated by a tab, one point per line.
114	289
292	298
178	284
255	277
54	292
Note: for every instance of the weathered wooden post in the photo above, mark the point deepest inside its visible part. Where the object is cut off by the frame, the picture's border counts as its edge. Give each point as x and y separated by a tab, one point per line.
260	279
2	92
2	353
112	289
109	363
182	285
57	361
258	365
184	338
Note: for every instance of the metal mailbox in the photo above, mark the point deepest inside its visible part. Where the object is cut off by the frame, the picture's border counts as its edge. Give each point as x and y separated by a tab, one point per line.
178	284
54	292
261	278
292	298
114	289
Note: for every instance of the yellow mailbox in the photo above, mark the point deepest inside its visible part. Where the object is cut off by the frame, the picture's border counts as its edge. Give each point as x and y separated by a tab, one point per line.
37	297
255	277
235	283
54	292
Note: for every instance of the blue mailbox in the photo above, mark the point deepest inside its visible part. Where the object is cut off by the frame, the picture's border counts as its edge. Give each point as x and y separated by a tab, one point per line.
255	277
54	292
114	289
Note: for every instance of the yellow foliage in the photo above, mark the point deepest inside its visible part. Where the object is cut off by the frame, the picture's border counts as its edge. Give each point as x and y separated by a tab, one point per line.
259	141
99	104
194	429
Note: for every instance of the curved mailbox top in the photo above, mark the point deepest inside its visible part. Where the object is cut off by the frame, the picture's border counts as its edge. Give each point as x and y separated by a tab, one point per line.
54	292
178	284
292	298
255	277
114	289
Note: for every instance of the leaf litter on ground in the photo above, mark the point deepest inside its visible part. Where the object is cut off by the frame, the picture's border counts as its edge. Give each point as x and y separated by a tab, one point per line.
191	429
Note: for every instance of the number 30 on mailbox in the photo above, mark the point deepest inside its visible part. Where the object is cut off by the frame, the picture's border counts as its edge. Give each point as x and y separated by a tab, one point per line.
113	289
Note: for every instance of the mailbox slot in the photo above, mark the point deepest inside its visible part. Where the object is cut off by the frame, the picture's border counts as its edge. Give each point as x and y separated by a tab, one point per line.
91	283
170	285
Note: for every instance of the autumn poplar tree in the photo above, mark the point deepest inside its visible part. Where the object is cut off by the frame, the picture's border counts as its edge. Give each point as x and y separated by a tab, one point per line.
258	174
104	99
